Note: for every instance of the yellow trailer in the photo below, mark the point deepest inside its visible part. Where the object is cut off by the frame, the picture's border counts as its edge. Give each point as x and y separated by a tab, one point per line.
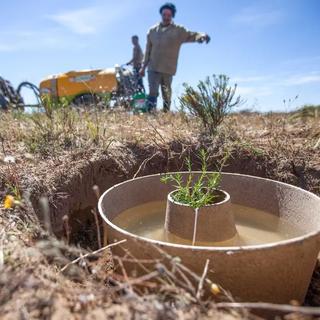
88	86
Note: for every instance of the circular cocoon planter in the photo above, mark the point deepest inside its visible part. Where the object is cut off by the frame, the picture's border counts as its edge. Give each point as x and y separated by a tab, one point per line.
276	272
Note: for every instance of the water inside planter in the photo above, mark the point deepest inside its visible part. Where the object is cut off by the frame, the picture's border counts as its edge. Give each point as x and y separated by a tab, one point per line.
254	226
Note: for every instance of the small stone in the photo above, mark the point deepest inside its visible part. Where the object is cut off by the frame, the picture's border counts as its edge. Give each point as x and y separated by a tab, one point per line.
9	159
77	307
28	156
12	238
46	311
85	298
215	289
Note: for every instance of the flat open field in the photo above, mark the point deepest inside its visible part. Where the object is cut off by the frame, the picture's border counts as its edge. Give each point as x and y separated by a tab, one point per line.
49	163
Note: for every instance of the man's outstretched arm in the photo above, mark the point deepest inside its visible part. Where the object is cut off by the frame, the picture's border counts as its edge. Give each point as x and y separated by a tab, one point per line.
190	36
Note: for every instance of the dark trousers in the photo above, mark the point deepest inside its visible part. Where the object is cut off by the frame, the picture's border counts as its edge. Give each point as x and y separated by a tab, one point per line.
139	79
156	80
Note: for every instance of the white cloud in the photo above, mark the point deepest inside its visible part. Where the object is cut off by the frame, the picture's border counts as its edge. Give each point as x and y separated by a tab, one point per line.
7	47
80	22
302	60
279	86
69	26
245	90
302	79
83	21
256	91
246	79
255	16
263	85
254	85
28	40
92	20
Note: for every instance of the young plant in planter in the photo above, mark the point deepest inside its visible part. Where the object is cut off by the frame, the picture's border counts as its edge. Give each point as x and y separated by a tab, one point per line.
196	193
197	209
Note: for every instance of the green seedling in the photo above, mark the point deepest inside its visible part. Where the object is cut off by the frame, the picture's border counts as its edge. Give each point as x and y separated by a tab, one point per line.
198	193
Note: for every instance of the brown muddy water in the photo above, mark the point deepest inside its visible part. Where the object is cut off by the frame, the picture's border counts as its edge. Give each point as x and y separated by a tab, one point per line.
254	226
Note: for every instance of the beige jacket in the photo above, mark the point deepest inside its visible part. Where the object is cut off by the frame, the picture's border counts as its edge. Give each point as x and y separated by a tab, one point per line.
163	46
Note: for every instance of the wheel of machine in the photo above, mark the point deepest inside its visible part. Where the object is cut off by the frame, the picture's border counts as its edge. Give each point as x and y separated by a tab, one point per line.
9	97
86	99
3	103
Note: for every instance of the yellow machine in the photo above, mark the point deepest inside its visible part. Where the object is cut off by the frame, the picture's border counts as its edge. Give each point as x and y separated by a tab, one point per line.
89	86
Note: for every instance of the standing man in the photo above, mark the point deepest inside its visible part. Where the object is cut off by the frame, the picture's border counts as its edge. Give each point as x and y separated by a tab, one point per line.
161	57
136	60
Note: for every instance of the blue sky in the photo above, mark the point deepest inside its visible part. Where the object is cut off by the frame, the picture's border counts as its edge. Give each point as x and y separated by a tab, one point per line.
270	48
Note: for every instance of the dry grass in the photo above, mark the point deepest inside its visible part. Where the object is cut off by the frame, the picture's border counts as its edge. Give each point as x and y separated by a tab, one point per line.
47	151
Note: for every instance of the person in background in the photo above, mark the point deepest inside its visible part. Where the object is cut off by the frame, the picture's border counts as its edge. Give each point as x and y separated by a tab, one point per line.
162	51
136	60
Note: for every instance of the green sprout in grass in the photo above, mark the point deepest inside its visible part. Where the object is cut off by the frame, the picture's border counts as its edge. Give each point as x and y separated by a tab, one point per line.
200	192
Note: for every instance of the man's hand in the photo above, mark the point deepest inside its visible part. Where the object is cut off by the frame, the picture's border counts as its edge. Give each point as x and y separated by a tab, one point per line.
142	72
204	38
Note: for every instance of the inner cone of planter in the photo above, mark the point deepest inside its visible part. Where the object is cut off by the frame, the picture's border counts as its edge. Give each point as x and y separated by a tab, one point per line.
210	223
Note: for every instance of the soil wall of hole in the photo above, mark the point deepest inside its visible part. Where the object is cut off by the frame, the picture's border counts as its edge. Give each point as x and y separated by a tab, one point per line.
73	195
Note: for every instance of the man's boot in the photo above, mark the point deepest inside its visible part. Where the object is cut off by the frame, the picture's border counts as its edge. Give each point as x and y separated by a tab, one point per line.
151	103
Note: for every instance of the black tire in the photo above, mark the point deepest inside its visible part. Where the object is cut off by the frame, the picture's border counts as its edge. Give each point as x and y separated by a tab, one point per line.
85	100
3	103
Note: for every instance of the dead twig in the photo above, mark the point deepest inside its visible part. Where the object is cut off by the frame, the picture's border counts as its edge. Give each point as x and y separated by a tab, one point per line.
143	164
185	278
66	227
125	274
202	279
92	253
45	209
171	278
137	281
317	144
96	219
96	191
192	275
